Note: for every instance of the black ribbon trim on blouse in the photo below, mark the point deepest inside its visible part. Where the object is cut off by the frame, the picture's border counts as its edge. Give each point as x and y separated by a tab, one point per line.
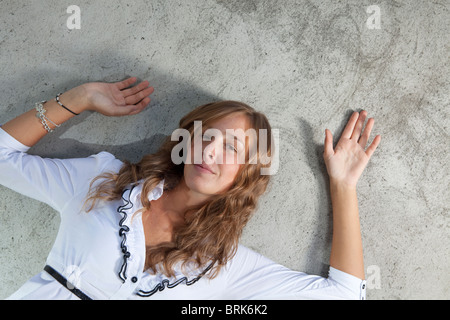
166	283
123	234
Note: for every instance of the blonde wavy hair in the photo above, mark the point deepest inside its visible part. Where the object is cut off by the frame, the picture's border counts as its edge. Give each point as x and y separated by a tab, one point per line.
211	232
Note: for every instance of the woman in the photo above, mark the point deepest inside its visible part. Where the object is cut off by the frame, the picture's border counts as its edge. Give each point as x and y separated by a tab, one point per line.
162	230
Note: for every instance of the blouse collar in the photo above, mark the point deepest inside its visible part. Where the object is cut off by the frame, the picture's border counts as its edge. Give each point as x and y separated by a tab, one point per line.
155	194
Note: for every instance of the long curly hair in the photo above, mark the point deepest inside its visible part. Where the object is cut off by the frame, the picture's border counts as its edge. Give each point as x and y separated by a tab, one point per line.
211	232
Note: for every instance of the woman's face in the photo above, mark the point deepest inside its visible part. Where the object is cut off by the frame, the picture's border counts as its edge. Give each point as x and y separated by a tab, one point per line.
219	157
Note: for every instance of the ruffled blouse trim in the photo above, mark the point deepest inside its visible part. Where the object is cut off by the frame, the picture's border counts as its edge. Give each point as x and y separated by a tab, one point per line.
123	230
172	283
128	196
132	203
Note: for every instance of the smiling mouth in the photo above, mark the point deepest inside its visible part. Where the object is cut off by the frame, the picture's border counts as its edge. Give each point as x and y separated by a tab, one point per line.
204	169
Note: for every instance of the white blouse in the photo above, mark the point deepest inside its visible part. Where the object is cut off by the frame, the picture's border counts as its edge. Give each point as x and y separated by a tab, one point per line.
102	252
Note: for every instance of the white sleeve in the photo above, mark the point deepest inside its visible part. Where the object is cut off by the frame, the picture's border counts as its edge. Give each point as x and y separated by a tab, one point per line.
253	276
52	181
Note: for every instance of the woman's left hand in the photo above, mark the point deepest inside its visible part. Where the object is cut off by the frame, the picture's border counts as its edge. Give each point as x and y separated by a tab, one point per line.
346	162
118	98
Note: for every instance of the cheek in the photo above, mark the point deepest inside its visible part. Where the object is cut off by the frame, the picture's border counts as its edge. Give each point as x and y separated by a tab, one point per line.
228	172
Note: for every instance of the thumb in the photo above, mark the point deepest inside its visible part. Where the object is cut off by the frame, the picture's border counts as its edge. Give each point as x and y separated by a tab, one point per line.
328	144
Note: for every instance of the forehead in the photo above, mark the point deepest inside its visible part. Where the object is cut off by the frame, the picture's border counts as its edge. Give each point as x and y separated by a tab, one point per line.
233	121
236	126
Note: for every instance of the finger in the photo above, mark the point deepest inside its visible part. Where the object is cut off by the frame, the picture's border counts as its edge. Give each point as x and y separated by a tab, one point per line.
131	109
137	88
135	109
371	149
365	136
347	133
135	98
328	145
359	125
126	83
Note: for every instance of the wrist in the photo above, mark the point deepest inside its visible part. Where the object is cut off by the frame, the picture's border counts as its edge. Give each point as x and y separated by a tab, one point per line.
76	99
337	184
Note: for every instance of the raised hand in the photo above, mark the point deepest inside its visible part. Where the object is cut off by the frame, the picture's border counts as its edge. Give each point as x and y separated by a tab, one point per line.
118	99
346	162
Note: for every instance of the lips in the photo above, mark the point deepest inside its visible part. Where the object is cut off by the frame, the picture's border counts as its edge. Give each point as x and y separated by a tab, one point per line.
205	168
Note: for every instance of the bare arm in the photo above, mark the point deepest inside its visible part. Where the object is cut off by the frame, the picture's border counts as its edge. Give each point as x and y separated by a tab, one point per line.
346	247
111	99
345	164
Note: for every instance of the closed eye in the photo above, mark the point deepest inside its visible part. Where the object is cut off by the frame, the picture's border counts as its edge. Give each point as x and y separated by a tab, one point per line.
231	147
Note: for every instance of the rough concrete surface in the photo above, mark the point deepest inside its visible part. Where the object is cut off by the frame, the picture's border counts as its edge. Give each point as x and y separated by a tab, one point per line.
306	64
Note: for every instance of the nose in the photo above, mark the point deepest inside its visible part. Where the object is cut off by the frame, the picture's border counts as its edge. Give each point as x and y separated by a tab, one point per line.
211	151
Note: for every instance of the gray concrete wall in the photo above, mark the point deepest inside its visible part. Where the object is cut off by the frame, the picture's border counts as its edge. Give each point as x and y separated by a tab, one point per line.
306	64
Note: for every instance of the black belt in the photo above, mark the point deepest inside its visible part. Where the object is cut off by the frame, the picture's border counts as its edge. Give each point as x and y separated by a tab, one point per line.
58	277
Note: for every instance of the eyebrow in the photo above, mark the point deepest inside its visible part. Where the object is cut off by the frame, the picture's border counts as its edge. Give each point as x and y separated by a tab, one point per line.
226	135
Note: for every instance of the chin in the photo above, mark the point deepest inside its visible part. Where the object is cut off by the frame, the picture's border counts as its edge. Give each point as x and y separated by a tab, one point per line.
207	184
199	183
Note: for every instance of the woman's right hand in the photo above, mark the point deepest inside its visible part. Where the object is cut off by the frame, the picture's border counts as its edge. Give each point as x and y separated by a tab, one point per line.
118	98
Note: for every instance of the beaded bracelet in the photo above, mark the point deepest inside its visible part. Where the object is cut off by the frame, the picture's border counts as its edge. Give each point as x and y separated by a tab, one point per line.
40	114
